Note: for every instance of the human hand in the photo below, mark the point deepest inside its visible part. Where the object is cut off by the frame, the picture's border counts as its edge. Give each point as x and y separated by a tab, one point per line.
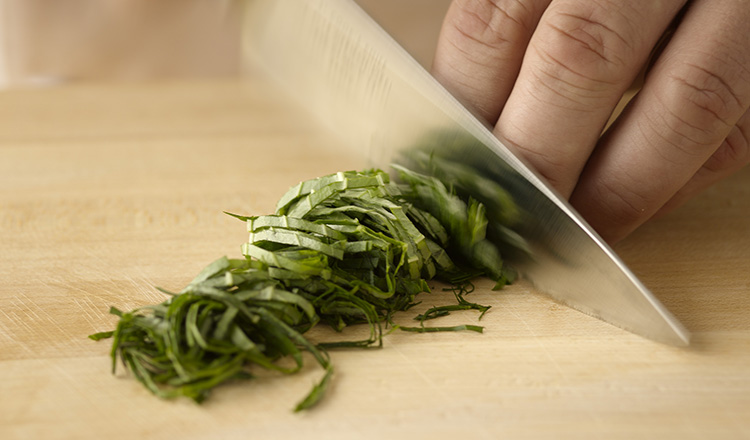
548	74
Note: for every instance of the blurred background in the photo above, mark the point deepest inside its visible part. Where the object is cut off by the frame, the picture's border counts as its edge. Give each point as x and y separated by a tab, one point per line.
48	42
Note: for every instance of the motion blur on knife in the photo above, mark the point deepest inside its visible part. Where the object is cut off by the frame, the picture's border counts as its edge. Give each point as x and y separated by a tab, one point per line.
548	75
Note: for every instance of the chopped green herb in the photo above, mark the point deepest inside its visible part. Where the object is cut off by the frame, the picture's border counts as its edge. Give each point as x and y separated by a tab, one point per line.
348	248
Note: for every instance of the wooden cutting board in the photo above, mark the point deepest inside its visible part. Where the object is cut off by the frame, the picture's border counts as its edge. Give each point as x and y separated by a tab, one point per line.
109	191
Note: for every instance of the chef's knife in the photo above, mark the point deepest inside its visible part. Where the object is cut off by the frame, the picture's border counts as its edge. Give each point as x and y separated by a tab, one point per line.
333	58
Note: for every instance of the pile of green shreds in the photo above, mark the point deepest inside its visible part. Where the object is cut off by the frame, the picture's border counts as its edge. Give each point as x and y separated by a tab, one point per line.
348	248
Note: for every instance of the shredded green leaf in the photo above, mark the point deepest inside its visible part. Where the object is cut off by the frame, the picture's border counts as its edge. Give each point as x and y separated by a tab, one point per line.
347	248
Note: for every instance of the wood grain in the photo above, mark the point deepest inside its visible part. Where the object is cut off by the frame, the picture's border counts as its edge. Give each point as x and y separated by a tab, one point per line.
108	191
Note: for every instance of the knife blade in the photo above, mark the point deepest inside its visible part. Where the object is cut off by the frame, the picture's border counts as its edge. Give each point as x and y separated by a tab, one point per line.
357	80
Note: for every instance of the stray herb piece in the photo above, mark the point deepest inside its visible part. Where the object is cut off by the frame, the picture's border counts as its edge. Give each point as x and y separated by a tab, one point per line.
459	290
473	328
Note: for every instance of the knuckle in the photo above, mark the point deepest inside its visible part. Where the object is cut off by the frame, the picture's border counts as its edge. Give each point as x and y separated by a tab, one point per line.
700	108
495	23
707	96
621	206
741	147
733	152
585	46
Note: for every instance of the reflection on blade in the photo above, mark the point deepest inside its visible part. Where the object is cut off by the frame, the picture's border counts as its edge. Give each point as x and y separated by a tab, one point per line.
332	57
